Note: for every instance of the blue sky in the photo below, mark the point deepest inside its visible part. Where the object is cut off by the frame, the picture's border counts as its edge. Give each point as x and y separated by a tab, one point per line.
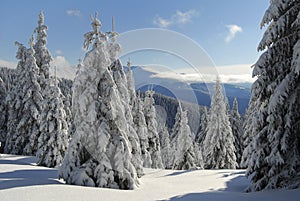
229	31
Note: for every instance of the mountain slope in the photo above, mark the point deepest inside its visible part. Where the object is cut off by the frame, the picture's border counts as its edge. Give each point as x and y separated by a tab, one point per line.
194	92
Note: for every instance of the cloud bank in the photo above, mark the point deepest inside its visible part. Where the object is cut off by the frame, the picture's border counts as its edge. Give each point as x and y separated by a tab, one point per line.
63	68
8	64
228	74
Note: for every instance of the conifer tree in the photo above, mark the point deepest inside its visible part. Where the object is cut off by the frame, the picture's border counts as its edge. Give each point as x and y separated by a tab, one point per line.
24	100
153	138
219	151
53	141
227	106
99	153
121	82
42	54
273	154
130	83
165	147
3	116
250	129
182	142
142	131
236	126
201	135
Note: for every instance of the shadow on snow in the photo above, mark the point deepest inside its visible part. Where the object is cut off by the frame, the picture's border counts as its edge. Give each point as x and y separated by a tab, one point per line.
27	177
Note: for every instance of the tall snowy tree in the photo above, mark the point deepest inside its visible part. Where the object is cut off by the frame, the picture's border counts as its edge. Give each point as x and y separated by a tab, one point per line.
130	84
53	141
218	145
250	129
119	76
42	54
165	147
3	116
182	143
203	128
99	153
24	100
227	106
153	137
273	160
142	131
236	126
65	87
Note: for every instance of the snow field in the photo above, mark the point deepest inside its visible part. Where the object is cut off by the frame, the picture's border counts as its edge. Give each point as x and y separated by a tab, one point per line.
21	179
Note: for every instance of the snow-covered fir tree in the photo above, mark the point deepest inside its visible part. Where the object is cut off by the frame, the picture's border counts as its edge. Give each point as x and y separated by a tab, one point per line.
273	160
99	153
130	83
24	100
153	137
227	106
3	116
53	141
218	145
8	77
203	128
165	147
119	76
237	131
65	87
42	54
182	143
250	129
141	130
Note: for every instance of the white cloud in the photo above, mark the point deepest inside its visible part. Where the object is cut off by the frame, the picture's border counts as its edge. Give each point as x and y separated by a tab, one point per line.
161	22
184	17
179	18
233	30
76	13
8	64
229	74
63	67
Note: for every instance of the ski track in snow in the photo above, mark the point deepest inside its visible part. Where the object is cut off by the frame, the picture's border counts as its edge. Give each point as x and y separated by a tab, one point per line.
21	179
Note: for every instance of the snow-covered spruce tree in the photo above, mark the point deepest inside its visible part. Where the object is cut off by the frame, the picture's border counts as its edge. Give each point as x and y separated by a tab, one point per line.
237	131
141	130
42	54
153	137
274	161
119	76
227	106
24	102
165	147
14	100
3	116
182	143
53	141
65	87
203	128
71	130
99	153
218	145
249	130
130	84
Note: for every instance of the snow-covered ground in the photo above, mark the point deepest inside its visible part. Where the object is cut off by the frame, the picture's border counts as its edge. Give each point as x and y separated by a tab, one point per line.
21	179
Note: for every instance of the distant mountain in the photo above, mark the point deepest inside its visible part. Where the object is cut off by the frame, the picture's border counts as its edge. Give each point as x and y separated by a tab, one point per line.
195	92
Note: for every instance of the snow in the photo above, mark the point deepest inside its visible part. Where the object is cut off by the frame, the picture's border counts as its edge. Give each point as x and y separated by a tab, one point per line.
21	178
